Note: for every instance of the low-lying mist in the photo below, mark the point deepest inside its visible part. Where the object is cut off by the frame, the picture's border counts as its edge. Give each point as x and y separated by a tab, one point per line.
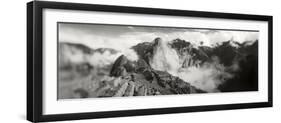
207	76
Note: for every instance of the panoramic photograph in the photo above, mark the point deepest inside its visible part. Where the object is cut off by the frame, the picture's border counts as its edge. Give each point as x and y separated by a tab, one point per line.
103	60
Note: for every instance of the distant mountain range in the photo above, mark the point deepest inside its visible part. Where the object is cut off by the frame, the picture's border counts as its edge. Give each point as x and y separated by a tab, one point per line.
159	70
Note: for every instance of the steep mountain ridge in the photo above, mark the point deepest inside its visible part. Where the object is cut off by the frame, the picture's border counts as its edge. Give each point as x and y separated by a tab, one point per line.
163	68
225	62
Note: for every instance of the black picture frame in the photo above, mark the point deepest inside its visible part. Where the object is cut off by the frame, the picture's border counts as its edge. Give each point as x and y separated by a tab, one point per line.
35	69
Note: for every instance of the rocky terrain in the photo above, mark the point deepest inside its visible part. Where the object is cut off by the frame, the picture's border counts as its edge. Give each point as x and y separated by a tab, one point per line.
159	70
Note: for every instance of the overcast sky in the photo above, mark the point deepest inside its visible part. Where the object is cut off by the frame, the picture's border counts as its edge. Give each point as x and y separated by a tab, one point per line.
122	37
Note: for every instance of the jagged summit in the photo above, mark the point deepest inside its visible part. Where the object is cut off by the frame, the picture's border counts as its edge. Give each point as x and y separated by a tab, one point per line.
121	67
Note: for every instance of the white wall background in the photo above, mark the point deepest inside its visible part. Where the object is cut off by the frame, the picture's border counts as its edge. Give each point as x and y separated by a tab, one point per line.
13	61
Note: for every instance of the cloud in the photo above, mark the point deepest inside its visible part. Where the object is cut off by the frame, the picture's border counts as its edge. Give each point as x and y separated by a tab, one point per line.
206	77
124	37
102	59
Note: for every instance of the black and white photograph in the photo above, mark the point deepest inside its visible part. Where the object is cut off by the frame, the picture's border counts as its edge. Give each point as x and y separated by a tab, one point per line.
102	60
89	60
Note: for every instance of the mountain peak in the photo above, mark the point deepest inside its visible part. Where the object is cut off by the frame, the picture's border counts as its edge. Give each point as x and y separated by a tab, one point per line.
157	41
121	66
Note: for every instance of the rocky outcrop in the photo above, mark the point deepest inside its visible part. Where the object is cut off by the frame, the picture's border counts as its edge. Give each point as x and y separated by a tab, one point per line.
142	66
144	50
81	93
130	89
189	55
121	90
144	69
121	67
